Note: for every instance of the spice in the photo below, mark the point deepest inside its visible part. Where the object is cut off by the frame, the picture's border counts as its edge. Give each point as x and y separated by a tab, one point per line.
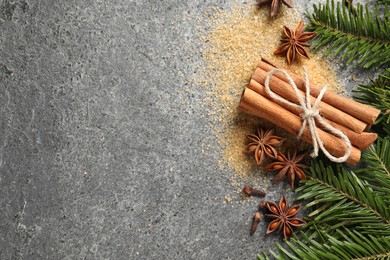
286	91
283	217
263	144
361	141
249	191
294	42
356	109
288	165
255	223
258	105
275	5
285	106
234	40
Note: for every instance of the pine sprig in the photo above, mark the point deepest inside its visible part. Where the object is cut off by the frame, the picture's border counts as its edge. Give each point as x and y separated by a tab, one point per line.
384	2
350	212
361	36
347	245
376	170
378	159
377	94
341	198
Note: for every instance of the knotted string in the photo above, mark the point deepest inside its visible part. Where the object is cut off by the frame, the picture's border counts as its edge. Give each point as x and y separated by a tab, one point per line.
309	115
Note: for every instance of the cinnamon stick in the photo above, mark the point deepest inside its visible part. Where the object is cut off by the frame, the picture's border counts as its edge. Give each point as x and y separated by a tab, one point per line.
362	112
361	141
265	108
285	90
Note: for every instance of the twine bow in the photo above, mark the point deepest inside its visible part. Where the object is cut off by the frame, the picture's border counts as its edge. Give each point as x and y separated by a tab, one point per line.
309	115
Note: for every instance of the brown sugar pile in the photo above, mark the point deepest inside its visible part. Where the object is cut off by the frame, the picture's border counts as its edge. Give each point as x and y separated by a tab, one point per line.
234	41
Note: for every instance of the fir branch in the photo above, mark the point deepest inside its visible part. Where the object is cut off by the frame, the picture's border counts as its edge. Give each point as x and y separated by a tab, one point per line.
384	2
376	168
378	159
350	217
350	245
362	36
345	195
377	94
340	198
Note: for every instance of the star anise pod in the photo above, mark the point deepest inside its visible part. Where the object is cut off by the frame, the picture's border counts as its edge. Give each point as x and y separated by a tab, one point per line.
283	217
294	42
275	5
262	144
288	165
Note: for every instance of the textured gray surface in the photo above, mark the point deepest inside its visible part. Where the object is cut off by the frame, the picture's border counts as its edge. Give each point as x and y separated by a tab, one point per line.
101	133
100	143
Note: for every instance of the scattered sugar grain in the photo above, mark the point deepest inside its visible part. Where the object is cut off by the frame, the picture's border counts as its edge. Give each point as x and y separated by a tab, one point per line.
228	198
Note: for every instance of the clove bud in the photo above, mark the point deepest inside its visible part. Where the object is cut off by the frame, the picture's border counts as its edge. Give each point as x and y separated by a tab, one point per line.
255	223
248	190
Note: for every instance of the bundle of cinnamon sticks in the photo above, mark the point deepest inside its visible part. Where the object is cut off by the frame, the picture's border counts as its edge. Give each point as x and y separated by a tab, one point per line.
352	118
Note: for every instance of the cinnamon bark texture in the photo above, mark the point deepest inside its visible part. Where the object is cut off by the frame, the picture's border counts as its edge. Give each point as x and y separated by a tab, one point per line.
285	90
361	141
360	111
349	116
259	105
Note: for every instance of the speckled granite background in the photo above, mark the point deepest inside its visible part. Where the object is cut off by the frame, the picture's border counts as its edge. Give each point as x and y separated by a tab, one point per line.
101	132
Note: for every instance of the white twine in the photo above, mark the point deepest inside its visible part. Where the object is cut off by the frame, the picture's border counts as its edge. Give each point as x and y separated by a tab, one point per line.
309	115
